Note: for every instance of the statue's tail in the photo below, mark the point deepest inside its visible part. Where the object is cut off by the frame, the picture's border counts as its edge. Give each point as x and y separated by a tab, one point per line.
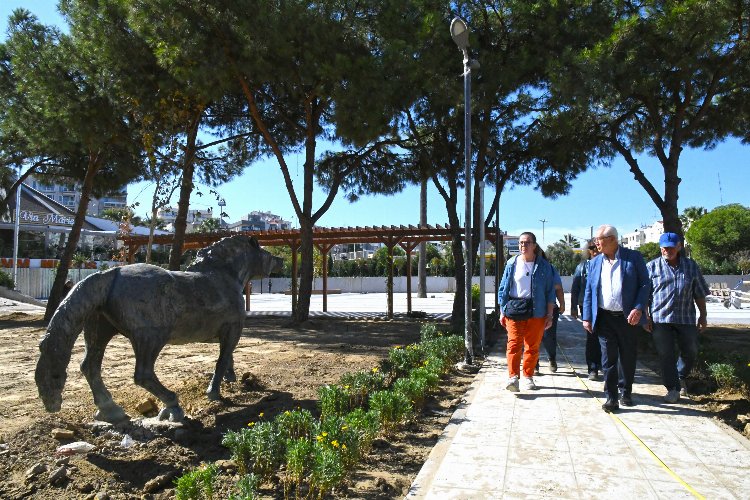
66	324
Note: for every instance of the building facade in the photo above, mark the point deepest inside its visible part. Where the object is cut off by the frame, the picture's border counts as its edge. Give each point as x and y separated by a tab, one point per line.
68	194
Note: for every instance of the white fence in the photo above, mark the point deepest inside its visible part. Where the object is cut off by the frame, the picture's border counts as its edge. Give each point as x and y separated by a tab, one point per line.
37	283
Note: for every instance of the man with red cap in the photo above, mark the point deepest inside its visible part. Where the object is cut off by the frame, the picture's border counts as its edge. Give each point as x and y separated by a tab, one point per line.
676	284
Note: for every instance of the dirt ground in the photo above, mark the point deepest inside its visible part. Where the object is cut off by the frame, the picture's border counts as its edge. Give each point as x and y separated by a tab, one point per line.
278	368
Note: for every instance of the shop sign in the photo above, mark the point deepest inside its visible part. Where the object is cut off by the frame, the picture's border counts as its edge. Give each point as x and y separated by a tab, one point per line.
29	217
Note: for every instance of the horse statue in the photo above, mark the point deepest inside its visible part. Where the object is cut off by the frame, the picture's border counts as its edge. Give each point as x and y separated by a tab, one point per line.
152	307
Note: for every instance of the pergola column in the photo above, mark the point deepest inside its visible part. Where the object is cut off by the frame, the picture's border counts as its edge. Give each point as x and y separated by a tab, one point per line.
408	248
324	249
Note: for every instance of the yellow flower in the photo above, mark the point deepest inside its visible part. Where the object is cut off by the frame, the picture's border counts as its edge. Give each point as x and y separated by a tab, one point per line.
287	413
319	438
343	446
347	387
335	443
324	434
375	370
397	347
250	424
344	427
260	415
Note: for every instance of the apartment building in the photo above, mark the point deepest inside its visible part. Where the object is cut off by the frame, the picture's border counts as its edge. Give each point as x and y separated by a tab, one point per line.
68	194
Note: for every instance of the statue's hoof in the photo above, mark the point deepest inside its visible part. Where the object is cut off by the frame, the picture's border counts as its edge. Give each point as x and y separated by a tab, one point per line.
113	414
213	395
230	377
172	413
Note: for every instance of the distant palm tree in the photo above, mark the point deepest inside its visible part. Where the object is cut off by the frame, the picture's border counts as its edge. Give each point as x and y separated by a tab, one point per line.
570	241
690	215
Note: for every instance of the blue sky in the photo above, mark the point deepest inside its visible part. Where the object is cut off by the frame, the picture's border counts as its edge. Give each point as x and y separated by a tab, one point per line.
599	196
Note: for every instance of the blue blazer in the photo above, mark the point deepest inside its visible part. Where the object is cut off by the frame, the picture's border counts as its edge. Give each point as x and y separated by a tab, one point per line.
543	292
636	286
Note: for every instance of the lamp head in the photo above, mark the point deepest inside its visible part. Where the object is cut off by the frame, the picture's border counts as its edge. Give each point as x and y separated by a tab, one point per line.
460	33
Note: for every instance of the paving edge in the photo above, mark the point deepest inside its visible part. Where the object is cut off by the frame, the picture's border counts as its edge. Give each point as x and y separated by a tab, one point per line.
421	484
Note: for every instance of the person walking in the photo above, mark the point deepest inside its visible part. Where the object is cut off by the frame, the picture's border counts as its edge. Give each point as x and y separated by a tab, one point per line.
615	298
593	349
676	284
549	339
526	296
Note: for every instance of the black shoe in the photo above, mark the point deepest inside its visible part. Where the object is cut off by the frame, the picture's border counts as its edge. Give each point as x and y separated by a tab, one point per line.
552	365
610	406
626	400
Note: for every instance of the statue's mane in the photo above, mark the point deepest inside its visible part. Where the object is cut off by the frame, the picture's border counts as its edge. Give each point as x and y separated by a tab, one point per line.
222	253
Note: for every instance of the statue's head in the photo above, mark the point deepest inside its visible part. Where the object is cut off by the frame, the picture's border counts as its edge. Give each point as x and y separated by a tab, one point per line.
50	375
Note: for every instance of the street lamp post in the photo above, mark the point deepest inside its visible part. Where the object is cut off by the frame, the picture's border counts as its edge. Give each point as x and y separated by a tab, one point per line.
543	221
222	204
460	34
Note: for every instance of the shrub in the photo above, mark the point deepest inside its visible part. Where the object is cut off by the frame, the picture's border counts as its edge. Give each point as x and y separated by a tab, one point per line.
414	388
724	374
327	470
333	401
401	360
359	385
429	331
246	488
258	449
392	408
197	484
6	280
299	454
295	424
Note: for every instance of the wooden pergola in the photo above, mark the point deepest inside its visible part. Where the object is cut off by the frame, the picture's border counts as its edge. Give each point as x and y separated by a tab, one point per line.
324	239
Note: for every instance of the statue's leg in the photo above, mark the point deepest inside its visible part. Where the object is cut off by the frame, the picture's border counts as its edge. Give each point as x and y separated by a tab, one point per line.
230	375
97	333
147	349
228	339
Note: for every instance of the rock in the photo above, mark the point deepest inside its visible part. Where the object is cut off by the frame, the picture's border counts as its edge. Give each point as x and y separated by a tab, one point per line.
147	407
743	418
102	495
62	461
34	470
159	482
747	429
62	434
226	465
380	444
58	475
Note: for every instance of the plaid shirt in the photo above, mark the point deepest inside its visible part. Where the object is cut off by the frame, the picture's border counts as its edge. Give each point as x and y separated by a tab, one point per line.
674	290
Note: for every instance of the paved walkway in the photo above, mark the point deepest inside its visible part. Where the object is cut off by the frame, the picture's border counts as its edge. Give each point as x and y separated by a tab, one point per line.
558	443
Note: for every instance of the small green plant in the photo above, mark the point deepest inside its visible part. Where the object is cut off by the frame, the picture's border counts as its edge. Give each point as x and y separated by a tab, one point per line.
327	470
359	385
299	454
295	424
197	484
392	407
414	388
401	360
475	295
79	261
246	488
429	331
258	449
334	400
724	374
6	280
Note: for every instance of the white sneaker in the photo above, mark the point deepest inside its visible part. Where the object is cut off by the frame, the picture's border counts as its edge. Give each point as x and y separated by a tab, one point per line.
528	384
673	396
512	385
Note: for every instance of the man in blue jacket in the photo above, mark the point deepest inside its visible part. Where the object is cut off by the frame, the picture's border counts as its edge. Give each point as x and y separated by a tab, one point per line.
614	301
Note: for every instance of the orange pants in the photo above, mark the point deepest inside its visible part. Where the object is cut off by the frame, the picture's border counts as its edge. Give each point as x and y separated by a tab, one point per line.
526	335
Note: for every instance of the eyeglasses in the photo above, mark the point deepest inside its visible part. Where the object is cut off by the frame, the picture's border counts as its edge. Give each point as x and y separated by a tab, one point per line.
602	238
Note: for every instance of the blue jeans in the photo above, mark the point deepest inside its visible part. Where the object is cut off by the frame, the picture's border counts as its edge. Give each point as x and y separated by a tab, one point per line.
550	336
674	368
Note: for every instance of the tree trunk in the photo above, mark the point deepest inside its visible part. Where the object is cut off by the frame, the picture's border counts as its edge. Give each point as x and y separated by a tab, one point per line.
306	270
186	189
422	263
61	276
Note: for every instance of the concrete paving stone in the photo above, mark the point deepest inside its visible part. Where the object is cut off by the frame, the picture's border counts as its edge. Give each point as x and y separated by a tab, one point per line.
613	486
541	458
479	431
624	466
438	492
454	472
734	479
671	490
527	482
